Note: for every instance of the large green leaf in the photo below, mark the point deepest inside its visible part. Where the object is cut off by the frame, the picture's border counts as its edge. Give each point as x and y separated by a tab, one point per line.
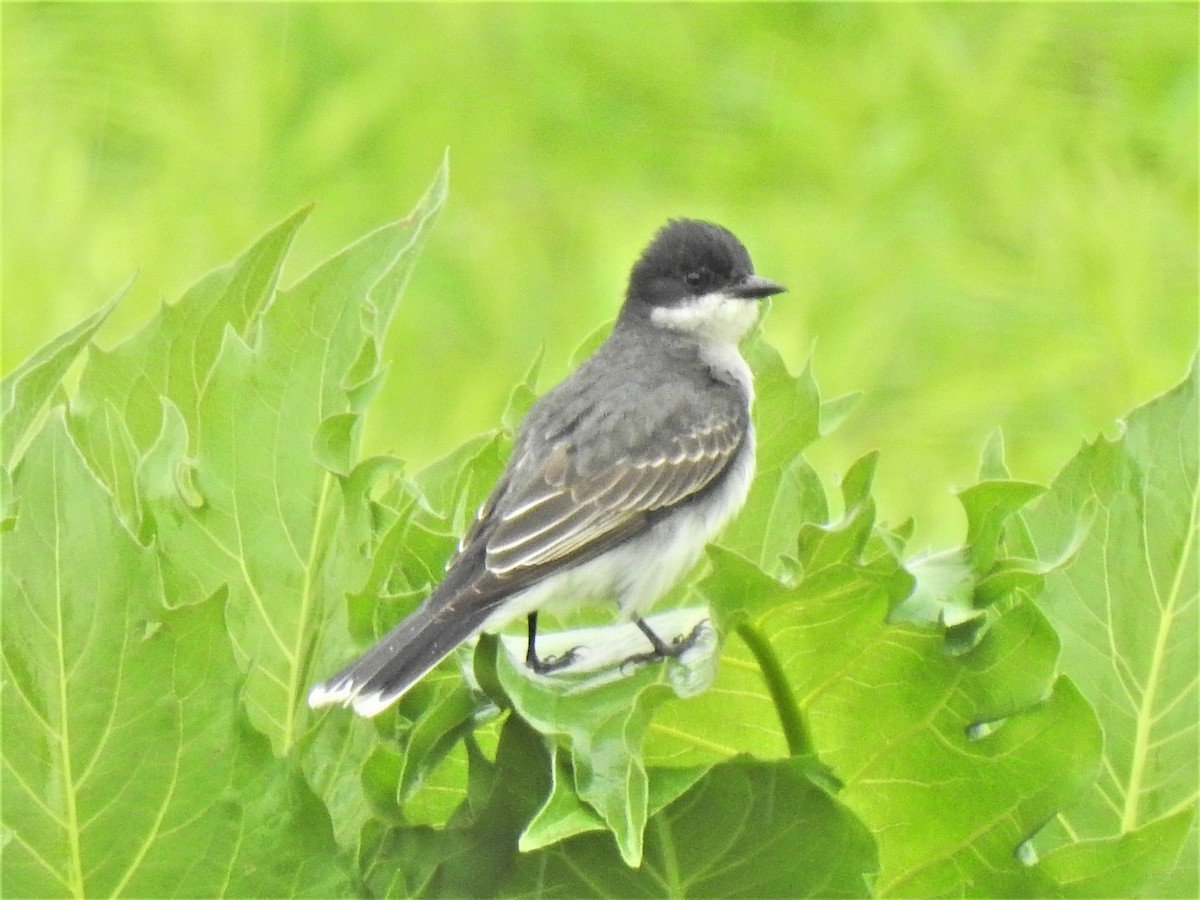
246	407
746	829
952	761
1128	612
117	412
128	769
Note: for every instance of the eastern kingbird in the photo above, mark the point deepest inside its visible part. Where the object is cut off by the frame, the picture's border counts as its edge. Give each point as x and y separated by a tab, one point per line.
618	477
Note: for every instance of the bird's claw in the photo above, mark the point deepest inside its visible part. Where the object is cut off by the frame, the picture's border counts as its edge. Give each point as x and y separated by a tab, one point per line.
553	663
677	647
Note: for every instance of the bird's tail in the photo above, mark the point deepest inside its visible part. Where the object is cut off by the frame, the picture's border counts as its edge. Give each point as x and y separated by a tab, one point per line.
377	679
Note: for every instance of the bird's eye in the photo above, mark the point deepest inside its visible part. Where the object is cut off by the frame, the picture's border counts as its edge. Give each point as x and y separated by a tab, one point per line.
697	278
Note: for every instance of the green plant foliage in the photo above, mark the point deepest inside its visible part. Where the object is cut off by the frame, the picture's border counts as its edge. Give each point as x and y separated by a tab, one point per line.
192	536
961	757
128	765
1128	611
748	828
28	388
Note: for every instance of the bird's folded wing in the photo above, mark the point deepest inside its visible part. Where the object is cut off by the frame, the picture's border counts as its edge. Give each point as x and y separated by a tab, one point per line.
560	515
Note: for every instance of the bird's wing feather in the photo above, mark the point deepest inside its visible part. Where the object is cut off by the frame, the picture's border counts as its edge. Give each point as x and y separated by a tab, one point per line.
560	513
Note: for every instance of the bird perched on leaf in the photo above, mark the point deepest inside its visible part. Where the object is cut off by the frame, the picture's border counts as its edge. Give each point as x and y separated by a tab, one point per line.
619	475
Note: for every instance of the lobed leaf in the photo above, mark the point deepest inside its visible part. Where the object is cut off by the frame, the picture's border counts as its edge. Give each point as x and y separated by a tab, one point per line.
1128	613
27	389
245	402
598	710
746	829
952	762
127	765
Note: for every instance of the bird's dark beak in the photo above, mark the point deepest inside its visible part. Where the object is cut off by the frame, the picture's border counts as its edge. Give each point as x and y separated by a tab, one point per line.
755	287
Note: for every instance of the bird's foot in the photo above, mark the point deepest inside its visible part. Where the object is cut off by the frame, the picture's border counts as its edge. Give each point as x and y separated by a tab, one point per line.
663	650
552	663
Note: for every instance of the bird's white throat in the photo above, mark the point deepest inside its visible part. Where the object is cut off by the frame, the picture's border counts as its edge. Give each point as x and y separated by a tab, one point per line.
718	322
710	317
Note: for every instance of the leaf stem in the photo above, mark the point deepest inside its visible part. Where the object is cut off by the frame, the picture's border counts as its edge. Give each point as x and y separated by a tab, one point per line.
791	720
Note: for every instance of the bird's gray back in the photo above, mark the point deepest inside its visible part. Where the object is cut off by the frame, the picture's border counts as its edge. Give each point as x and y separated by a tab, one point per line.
622	401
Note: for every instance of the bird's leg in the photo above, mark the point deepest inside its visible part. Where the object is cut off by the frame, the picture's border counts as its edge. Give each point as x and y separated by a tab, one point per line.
662	649
550	663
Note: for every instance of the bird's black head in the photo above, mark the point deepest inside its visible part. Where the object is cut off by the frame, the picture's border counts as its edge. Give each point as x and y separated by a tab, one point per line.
689	258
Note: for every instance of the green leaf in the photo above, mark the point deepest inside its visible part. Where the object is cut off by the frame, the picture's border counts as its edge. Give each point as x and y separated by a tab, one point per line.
1128	612
172	356
127	767
837	410
588	345
736	588
951	761
470	857
961	588
564	814
453	487
27	389
521	397
1125	866
992	466
445	710
335	442
746	829
988	505
268	395
992	726
824	546
786	492
599	708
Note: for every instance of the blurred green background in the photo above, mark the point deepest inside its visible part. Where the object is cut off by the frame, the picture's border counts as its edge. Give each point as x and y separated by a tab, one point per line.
987	215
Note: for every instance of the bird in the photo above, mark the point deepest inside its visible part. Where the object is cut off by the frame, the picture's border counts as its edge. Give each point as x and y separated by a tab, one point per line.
619	475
